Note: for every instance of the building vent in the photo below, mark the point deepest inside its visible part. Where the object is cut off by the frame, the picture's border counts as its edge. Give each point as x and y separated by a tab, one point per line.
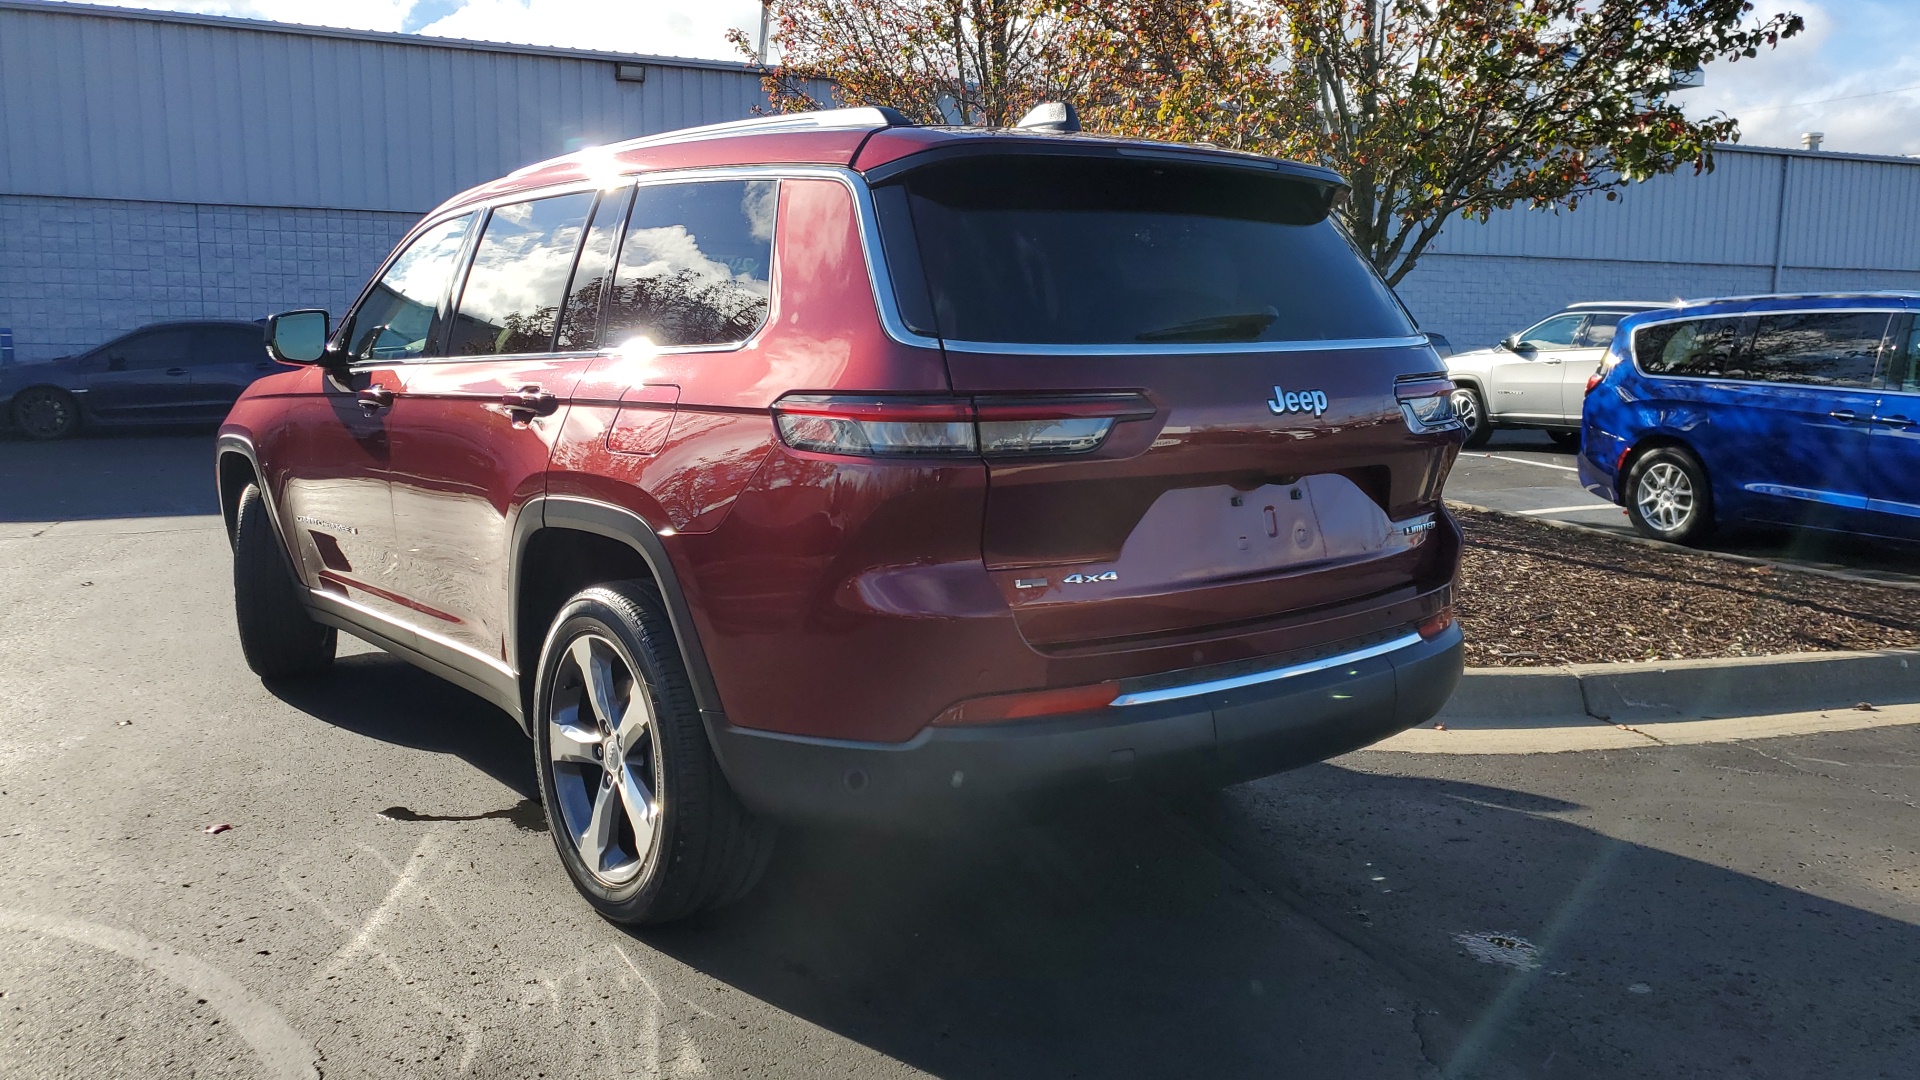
1811	139
630	72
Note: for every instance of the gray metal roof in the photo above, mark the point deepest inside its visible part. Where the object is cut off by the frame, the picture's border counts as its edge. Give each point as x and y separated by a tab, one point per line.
113	103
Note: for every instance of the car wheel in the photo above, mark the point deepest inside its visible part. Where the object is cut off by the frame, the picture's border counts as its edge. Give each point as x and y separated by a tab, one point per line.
1668	497
46	412
645	823
1565	440
277	636
1472	411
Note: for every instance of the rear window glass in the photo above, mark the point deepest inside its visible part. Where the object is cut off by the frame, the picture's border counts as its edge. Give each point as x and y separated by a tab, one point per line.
519	277
1055	250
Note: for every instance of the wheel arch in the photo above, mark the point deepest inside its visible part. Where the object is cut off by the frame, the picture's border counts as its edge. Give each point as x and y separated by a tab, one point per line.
562	545
1654	440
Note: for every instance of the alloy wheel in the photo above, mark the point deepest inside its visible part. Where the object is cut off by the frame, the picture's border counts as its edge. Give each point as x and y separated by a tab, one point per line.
602	749
44	414
1466	406
1665	496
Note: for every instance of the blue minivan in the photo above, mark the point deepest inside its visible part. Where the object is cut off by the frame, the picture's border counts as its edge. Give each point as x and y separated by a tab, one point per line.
1793	410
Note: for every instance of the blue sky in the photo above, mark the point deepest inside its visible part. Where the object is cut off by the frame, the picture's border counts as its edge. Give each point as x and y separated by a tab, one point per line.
1834	78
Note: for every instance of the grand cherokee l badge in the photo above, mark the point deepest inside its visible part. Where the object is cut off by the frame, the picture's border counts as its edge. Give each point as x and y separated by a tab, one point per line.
1291	401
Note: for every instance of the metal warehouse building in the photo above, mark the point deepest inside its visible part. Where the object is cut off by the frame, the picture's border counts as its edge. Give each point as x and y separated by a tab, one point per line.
158	166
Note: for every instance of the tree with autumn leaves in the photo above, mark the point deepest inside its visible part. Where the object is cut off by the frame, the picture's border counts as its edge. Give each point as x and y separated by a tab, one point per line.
1433	109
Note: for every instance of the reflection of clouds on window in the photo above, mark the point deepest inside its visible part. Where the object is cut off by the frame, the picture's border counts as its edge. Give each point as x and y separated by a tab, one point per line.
421	273
694	267
761	205
519	276
396	321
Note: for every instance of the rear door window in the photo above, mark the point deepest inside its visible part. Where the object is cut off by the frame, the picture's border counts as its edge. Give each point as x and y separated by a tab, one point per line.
151	351
398	320
696	267
580	315
230	345
514	289
1690	348
1598	333
1826	348
1063	250
1904	370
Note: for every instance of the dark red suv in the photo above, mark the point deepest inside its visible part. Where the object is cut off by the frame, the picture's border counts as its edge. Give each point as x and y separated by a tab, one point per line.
832	468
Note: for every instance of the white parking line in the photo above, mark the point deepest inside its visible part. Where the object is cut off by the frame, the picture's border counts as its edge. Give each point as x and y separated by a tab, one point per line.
1567	509
1524	461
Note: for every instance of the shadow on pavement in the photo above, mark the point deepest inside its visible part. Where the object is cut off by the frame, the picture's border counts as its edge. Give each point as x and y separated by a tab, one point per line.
1260	935
115	474
385	698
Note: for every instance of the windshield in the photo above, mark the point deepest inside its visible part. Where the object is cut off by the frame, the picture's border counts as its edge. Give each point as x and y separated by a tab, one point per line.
1093	251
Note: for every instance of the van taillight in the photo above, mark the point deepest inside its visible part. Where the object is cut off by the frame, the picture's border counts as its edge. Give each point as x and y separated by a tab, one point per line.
884	426
1594	379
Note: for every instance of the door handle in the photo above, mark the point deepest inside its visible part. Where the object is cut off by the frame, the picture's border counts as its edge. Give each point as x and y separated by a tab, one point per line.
176	371
1553	362
1845	416
530	401
375	398
1895	421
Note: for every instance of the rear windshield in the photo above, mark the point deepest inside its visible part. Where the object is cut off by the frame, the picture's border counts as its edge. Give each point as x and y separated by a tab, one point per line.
1057	250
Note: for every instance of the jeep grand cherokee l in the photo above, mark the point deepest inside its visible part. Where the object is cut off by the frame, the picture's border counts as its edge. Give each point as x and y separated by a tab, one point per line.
831	468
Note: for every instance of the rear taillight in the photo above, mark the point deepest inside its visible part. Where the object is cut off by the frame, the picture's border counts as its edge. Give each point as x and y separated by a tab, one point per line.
1594	380
880	426
1435	624
1426	401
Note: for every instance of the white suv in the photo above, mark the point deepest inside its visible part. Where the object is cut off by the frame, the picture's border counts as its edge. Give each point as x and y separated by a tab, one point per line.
1538	377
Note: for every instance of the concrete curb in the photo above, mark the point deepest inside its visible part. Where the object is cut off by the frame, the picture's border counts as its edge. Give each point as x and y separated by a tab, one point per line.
1684	689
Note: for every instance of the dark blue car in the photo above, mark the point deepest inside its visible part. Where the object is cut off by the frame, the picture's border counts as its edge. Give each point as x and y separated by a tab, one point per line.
174	372
1794	410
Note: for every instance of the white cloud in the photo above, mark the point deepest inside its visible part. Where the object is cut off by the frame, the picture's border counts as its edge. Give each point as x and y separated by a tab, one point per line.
1850	49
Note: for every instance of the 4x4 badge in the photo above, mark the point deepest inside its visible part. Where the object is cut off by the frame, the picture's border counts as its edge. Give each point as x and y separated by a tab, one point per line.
1298	401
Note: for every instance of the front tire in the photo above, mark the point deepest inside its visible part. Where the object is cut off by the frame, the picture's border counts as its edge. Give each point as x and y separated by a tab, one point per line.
644	822
1471	408
1668	496
46	412
277	636
1564	439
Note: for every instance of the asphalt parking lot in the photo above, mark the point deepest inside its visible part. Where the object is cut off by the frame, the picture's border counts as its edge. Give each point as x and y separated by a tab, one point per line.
386	904
1523	472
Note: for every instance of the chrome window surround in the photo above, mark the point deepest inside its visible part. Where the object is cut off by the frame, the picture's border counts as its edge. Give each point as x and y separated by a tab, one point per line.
1306	667
1633	346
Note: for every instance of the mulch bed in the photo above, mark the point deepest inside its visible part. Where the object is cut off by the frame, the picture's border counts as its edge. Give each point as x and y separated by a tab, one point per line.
1531	594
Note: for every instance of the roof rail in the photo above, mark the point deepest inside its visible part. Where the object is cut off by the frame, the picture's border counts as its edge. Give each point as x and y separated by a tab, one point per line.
869	117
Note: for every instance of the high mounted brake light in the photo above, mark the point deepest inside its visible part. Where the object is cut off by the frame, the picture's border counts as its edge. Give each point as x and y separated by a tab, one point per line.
885	426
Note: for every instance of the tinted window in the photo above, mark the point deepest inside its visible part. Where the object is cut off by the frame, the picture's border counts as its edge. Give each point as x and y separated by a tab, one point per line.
1088	251
1555	333
580	320
397	321
695	268
1598	333
511	300
155	349
230	345
1906	367
1695	348
1837	348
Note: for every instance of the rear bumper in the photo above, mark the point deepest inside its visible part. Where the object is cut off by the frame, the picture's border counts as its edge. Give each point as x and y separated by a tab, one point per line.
1217	737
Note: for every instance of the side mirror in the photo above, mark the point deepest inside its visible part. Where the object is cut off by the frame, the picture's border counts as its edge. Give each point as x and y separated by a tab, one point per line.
1513	344
298	337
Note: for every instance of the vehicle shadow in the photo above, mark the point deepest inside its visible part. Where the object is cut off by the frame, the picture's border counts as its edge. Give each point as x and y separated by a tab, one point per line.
385	698
113	474
1252	936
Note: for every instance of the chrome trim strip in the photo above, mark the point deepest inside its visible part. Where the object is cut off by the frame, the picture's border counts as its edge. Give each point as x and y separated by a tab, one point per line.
1175	693
321	598
1825	498
1185	348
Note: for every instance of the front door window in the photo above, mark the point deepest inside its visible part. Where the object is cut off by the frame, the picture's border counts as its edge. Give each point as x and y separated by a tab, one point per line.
400	317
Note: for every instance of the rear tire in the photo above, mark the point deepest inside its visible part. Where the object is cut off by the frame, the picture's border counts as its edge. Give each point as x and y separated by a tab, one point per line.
46	412
1471	408
645	823
1668	496
277	636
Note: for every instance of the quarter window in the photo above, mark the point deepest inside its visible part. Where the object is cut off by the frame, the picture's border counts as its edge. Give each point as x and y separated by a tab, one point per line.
398	320
1695	348
1829	348
511	301
231	345
696	265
